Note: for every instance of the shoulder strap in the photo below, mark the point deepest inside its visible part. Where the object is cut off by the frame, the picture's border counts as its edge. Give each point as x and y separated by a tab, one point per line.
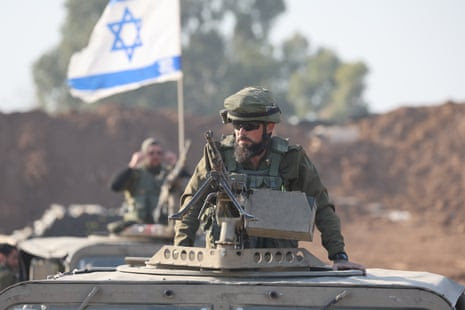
279	146
227	151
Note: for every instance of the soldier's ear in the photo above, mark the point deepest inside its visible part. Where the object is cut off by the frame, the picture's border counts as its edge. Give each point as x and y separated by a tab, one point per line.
269	128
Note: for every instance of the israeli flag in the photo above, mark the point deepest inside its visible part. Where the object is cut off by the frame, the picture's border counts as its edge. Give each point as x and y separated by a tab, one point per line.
135	43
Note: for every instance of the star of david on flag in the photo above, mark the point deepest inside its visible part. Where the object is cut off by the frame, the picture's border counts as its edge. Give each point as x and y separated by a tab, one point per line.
134	43
117	29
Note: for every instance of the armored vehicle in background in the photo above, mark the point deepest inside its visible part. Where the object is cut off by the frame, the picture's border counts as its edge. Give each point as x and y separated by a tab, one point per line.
43	256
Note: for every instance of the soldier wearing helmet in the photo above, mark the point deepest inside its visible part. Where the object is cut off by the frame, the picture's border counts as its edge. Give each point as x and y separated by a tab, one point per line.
269	162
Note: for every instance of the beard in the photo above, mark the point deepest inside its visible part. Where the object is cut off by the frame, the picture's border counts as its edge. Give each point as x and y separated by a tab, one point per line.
243	153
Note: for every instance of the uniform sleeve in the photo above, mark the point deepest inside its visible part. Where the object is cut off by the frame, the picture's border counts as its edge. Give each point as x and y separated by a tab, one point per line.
7	278
121	180
304	177
186	228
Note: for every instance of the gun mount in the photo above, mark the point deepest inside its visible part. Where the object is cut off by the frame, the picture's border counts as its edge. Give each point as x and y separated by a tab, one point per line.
287	215
259	213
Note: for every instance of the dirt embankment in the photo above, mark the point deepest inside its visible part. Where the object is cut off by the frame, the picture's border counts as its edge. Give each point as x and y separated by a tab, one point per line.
397	178
70	158
400	188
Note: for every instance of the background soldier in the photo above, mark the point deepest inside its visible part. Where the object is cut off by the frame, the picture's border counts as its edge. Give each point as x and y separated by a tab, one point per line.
8	265
141	183
268	162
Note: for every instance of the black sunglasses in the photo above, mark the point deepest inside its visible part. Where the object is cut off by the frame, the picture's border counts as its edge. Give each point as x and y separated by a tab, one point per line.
156	152
247	126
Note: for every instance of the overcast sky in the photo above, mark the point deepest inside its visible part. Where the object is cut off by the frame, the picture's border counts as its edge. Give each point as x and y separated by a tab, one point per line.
415	49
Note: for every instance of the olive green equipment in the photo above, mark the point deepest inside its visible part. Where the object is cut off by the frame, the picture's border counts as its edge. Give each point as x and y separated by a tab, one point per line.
142	199
251	104
239	210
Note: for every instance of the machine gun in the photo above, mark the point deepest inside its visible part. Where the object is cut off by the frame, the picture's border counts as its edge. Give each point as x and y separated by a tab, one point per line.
276	214
229	194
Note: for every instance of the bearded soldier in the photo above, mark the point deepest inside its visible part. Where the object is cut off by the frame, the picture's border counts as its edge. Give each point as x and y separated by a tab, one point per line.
269	162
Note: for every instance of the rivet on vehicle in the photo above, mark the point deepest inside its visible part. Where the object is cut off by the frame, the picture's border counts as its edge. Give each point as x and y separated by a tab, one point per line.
267	257
273	294
175	254
183	254
289	257
167	253
168	293
299	256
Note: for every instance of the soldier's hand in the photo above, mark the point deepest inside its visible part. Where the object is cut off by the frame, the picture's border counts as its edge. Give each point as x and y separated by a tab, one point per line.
347	265
136	159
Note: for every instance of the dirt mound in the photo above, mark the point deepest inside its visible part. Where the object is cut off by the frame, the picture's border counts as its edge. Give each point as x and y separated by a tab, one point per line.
70	158
397	178
398	186
406	160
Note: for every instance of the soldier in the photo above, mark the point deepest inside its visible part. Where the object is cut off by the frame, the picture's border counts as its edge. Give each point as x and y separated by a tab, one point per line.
9	265
268	162
141	183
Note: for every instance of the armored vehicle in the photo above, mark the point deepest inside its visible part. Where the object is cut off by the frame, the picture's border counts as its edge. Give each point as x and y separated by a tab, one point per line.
230	276
43	256
152	286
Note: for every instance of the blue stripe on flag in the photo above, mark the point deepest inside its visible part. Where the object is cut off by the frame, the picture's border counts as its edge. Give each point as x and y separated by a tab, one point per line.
109	80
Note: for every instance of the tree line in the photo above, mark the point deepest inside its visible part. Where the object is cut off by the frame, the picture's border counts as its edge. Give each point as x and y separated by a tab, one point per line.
225	46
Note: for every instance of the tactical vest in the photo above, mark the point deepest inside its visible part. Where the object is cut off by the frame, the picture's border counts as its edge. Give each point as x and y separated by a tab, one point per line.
264	178
142	197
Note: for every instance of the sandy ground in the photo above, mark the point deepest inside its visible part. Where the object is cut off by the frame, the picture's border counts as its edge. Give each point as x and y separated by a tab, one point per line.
381	244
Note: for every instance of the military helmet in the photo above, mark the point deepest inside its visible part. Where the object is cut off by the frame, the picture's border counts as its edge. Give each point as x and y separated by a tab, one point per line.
251	104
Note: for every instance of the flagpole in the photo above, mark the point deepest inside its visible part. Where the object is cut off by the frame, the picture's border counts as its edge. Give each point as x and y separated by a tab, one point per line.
181	143
180	116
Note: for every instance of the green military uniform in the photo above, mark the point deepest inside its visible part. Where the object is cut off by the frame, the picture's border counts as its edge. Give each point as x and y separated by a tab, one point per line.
282	167
7	277
297	173
141	188
142	192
